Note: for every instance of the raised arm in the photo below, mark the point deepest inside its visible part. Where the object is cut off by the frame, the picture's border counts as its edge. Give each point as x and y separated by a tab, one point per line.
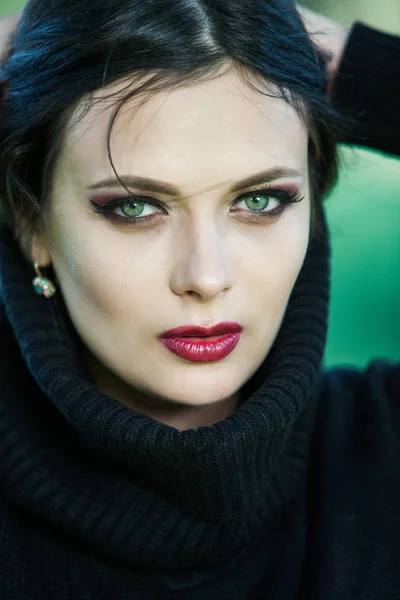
364	66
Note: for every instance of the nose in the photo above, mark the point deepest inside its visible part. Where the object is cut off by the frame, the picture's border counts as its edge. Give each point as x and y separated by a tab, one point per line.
202	267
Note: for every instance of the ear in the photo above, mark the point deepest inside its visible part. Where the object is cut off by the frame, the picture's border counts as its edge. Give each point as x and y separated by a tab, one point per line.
40	251
32	239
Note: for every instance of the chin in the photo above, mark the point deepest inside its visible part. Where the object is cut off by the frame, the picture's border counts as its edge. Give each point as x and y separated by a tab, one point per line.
200	394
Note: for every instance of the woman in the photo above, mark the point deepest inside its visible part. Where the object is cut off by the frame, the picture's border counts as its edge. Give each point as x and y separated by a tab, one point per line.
166	428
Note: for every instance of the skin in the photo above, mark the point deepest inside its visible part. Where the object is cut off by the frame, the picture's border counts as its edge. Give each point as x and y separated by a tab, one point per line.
123	286
330	37
8	25
204	261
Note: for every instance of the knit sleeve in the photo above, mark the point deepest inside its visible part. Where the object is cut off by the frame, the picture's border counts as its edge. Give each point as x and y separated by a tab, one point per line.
367	89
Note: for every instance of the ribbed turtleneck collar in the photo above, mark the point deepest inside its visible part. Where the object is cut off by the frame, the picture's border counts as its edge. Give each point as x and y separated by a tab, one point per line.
131	487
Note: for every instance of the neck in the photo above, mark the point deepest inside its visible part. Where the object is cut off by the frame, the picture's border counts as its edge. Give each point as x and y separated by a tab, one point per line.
179	415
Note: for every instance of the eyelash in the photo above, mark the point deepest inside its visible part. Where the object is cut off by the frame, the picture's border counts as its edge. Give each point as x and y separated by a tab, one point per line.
284	197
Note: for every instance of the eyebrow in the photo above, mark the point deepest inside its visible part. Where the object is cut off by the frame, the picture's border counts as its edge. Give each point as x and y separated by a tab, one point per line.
162	187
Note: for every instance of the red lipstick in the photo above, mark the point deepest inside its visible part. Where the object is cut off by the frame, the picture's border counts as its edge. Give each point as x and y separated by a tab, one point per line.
202	344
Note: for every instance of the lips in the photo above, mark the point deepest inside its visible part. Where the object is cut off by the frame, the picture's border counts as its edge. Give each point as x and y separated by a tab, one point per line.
202	344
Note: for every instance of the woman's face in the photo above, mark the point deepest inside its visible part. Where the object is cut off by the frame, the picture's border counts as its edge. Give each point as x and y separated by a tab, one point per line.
199	256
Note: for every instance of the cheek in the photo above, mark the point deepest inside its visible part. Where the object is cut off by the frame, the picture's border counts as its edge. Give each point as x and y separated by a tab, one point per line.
279	257
88	271
96	270
273	282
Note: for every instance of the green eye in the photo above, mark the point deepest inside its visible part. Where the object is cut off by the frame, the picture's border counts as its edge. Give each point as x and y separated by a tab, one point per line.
131	208
257	203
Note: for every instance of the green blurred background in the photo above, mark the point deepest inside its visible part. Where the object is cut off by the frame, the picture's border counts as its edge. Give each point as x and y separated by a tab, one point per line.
364	218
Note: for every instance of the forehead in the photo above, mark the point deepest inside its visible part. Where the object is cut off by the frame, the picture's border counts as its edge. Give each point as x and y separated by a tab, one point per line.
220	129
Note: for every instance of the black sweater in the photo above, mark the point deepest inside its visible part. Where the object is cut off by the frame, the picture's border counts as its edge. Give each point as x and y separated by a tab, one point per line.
296	495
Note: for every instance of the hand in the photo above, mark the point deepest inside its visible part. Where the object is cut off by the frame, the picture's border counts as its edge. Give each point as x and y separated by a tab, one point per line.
7	27
329	36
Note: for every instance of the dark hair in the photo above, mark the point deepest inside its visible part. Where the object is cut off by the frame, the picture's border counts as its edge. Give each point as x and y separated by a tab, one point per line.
65	50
